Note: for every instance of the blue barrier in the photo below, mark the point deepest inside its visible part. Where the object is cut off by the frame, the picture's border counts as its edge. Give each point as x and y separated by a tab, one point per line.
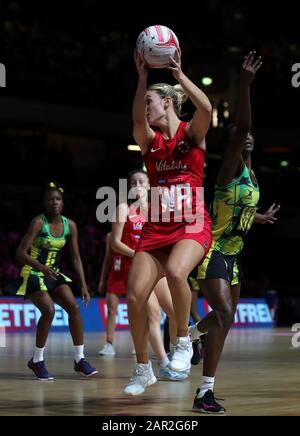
19	315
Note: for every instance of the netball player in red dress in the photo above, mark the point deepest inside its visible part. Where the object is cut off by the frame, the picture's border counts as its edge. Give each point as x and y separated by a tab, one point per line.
120	248
172	242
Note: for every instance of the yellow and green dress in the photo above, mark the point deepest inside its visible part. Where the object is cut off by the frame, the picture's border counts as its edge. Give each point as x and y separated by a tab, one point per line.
234	209
46	249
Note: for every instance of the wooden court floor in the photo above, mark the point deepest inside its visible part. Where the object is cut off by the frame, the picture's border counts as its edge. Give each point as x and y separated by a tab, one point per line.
259	375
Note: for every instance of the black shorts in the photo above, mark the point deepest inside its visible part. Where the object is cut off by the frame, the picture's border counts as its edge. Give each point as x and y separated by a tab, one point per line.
32	283
217	265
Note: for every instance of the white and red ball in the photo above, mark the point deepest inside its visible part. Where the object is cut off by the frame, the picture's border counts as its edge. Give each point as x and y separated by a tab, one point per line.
156	44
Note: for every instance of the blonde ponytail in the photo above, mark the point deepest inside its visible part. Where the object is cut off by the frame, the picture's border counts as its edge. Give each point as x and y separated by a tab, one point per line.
176	92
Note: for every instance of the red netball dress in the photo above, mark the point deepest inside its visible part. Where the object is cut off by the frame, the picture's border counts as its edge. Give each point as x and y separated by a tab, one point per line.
175	168
117	278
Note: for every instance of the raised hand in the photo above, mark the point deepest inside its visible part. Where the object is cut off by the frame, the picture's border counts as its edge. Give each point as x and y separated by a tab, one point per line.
175	65
141	66
250	67
269	215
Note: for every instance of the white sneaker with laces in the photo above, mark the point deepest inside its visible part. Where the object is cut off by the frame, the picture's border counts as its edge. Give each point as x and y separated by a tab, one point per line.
143	376
181	360
107	350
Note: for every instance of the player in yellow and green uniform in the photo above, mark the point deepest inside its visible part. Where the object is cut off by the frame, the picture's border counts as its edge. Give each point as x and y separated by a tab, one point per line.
44	284
234	211
46	250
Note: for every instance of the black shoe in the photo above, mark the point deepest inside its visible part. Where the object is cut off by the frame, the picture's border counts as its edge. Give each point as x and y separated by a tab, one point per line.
40	370
198	349
197	352
207	403
84	368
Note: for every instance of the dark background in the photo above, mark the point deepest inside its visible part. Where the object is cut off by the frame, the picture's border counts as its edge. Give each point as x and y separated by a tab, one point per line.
65	114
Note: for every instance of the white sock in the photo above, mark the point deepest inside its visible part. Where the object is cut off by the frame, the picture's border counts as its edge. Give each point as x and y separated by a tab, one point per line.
164	362
207	384
78	350
194	332
38	354
185	338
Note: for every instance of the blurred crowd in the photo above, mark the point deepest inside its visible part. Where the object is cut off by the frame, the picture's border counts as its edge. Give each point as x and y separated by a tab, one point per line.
87	60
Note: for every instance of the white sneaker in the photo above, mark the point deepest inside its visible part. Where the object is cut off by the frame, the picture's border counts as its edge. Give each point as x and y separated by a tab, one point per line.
107	350
143	376
167	374
181	360
171	352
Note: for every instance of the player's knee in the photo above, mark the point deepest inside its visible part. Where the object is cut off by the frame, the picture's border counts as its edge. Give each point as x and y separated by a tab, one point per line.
48	311
73	309
176	274
133	301
225	317
154	316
